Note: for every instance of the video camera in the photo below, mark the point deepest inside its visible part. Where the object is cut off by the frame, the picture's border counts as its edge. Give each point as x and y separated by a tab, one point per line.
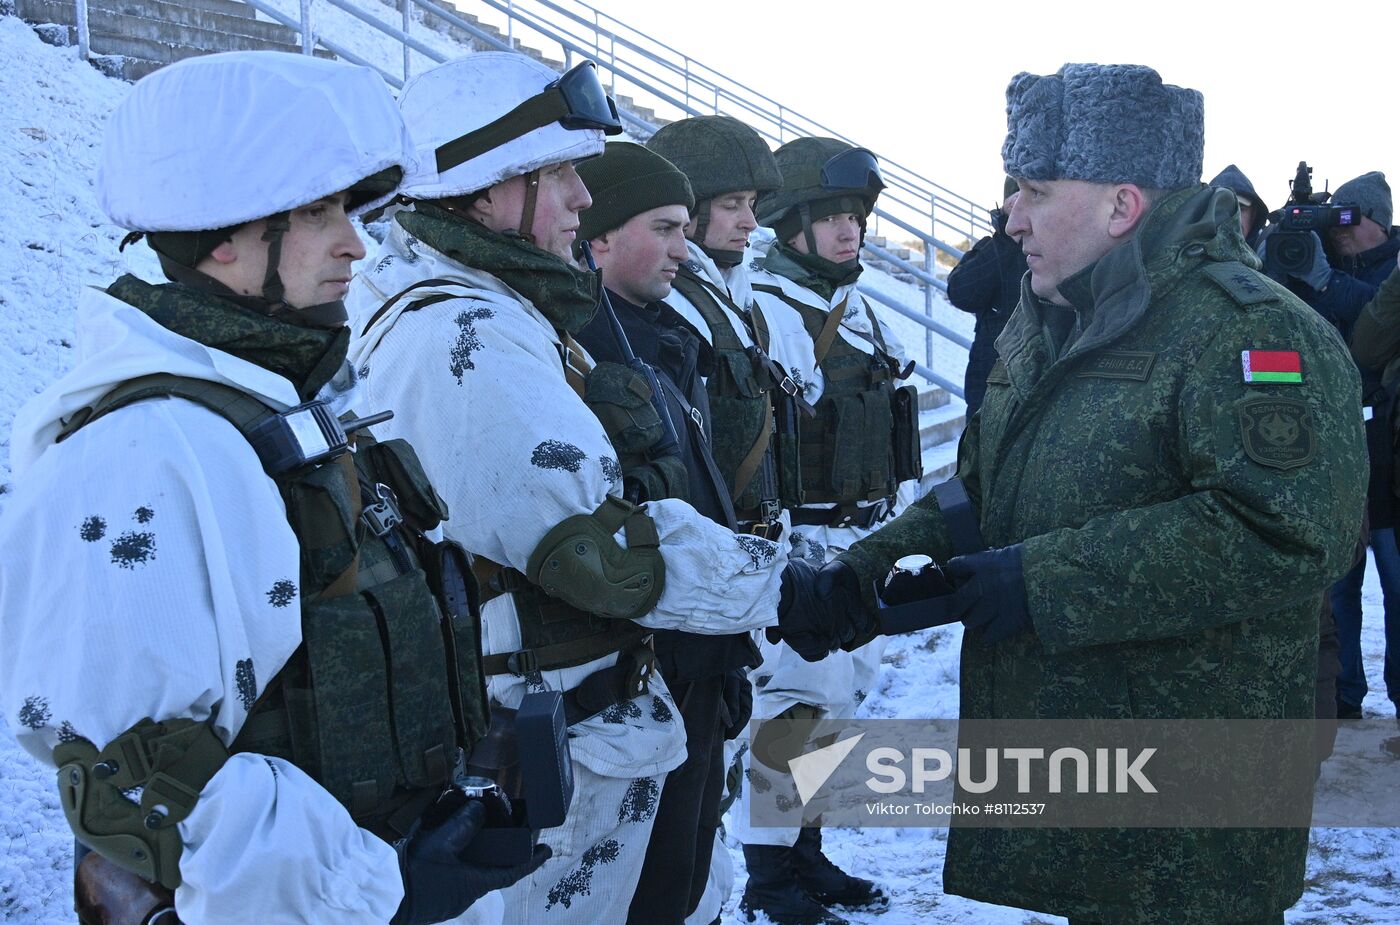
1289	249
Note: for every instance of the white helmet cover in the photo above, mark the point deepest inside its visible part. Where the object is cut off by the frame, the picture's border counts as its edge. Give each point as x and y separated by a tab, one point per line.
463	95
220	140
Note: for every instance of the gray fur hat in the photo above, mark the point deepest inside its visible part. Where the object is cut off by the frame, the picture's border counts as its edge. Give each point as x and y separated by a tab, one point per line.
1105	123
1371	193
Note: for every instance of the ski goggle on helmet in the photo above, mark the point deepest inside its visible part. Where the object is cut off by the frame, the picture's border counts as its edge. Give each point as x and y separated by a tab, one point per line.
576	100
856	169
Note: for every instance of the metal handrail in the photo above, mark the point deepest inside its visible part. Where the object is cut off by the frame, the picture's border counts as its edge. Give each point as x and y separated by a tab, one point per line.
962	340
918	272
333	48
929	197
571	45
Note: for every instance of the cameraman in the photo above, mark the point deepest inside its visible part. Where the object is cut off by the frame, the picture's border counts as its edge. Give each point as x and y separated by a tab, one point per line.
987	283
1339	284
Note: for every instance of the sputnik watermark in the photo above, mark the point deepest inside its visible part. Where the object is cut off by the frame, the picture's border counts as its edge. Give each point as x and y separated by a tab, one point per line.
1089	773
1114	770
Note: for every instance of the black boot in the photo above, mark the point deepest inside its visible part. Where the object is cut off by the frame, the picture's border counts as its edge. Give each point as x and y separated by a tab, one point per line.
829	884
773	890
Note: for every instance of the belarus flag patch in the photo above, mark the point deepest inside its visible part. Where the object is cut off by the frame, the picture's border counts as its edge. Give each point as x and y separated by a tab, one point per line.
1272	366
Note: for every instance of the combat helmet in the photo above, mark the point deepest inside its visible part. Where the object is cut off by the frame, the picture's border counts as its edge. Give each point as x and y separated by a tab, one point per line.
171	147
821	177
490	116
718	154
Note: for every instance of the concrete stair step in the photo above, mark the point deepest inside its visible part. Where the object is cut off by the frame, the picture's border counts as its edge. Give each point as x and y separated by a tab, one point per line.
154	19
941	424
154	50
932	396
940	429
226	7
124	67
940	462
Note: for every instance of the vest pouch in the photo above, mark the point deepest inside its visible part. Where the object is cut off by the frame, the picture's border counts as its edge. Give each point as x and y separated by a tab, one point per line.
323	512
843	421
395	463
877	452
573	637
787	450
908	444
621	400
738	412
450	576
382	715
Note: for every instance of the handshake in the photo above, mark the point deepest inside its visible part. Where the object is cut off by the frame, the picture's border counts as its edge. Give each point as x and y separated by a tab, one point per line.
821	610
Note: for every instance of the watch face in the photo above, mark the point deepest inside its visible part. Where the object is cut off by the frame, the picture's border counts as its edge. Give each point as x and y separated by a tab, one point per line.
474	786
912	564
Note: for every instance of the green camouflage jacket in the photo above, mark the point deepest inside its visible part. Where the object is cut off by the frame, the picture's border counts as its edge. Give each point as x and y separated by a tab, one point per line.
1179	525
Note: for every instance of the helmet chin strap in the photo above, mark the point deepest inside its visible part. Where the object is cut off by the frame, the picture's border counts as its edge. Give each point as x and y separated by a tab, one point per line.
326	315
272	302
527	211
722	258
808	235
272	289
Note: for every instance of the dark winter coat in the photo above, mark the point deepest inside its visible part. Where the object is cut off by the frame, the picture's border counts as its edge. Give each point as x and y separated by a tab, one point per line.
1234	180
676	351
1173	558
986	283
1355	282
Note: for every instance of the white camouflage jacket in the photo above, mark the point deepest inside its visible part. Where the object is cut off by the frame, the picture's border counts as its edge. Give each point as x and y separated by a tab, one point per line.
147	569
478	387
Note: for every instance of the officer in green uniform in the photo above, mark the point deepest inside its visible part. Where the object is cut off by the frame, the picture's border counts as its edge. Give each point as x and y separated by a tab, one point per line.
1168	471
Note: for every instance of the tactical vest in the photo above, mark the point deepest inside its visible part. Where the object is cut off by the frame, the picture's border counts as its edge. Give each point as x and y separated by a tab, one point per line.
865	439
554	634
755	452
386	692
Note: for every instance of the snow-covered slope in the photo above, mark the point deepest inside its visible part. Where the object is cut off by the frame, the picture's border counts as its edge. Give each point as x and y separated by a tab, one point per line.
53	240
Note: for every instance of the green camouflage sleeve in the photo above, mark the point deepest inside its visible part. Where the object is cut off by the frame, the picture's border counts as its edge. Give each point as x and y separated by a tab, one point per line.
919	529
1375	338
1273	486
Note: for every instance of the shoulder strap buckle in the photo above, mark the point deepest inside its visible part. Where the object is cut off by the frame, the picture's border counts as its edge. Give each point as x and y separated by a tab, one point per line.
384	515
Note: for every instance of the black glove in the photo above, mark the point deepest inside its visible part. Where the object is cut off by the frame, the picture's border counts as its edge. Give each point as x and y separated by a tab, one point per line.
1319	274
995	590
437	884
819	611
738	702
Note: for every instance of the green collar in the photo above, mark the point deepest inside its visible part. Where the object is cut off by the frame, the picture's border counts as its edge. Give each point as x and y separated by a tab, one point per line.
306	356
565	295
818	274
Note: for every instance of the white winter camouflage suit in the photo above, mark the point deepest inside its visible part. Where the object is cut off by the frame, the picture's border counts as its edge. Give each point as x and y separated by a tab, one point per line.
838	683
478	387
147	569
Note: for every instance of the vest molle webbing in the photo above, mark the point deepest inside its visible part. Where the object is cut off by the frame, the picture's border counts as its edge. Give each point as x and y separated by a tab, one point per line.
865	440
386	690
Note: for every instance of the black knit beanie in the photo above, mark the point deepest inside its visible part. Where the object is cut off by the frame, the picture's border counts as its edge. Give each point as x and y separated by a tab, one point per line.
628	180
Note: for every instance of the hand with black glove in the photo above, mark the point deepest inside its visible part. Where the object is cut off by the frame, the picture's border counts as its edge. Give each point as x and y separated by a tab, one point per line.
1319	274
819	610
437	883
738	702
994	590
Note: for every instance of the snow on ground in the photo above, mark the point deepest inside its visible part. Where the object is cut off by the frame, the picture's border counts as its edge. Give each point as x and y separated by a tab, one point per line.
53	239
